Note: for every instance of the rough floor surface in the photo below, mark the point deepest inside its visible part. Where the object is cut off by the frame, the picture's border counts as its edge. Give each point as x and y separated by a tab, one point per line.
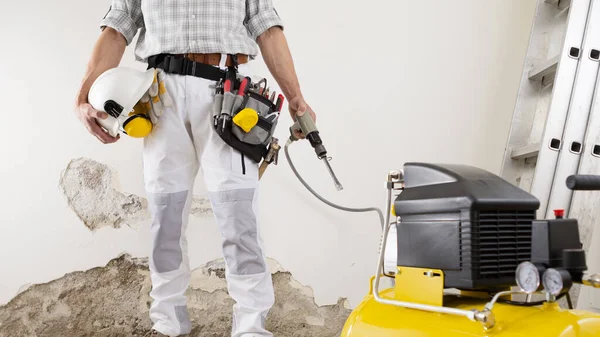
92	192
113	301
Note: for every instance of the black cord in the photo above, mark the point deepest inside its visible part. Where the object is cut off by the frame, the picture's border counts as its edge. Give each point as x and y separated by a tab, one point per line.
569	301
529	304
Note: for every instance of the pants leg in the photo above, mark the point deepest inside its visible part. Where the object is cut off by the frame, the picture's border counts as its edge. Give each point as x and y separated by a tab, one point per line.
232	184
170	166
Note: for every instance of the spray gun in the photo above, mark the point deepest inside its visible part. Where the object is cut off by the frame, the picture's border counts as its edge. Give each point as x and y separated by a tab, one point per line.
307	126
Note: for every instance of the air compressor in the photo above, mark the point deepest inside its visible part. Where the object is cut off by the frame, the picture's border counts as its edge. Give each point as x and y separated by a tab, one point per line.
472	258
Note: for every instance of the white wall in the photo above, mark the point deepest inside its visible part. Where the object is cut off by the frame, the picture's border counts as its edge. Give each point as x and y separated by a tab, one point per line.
391	81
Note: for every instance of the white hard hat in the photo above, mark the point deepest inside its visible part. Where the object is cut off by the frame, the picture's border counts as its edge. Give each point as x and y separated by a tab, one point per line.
117	91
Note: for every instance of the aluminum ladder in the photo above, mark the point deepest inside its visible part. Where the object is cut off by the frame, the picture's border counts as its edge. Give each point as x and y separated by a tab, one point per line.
555	130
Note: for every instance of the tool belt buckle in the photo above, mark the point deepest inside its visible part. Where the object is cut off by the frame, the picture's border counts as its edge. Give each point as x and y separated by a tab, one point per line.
183	69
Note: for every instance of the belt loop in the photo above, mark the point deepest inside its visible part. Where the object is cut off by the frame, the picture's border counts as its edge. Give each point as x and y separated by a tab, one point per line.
234	61
223	61
167	63
184	66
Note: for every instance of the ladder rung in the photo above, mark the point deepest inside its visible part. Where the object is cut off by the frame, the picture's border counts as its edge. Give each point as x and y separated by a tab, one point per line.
546	70
527	151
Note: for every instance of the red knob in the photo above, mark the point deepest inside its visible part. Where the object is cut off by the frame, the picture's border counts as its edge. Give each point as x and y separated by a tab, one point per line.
559	213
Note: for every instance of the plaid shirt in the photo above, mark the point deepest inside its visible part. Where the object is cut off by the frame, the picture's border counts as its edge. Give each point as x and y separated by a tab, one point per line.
192	26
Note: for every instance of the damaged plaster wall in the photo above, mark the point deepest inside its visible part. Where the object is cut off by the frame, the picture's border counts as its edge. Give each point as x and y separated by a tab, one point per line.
114	301
93	192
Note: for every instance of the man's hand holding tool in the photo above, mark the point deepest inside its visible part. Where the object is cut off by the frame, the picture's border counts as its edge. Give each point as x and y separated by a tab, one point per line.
298	107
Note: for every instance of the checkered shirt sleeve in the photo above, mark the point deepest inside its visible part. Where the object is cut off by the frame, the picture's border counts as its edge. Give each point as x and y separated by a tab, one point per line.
125	16
260	16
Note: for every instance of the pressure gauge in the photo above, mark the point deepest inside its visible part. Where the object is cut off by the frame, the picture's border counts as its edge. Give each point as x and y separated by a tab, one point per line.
528	277
556	281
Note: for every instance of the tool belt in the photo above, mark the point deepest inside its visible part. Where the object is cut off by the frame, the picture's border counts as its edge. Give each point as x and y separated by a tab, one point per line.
242	116
215	59
197	65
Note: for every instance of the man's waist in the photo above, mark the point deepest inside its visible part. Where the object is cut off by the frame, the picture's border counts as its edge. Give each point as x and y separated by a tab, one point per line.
214	58
195	64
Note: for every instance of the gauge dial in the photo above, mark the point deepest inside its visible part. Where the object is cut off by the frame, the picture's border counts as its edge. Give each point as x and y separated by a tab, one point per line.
528	277
553	281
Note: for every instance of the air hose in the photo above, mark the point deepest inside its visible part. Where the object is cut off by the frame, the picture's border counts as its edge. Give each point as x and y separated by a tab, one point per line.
343	208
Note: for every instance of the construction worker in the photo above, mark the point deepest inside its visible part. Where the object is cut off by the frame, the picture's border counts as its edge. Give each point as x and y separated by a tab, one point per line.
214	33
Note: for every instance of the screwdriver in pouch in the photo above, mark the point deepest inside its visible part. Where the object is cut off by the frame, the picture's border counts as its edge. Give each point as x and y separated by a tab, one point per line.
228	98
239	98
218	102
279	103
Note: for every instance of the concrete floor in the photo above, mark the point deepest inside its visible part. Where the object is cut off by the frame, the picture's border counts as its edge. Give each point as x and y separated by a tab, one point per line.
113	301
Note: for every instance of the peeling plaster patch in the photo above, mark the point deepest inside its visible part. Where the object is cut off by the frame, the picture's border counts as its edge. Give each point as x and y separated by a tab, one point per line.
91	191
201	207
307	291
113	301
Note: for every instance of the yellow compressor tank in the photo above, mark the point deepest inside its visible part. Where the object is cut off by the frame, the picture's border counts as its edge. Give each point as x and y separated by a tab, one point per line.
373	319
473	260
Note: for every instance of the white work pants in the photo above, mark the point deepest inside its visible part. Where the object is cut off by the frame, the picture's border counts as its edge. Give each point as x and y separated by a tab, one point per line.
183	141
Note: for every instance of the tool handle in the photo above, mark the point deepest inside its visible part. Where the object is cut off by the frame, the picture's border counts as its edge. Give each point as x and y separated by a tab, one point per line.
584	182
262	168
228	100
243	86
303	123
279	103
217	104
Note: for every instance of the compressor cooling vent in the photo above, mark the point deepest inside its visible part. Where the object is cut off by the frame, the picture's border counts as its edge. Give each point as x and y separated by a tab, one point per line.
467	222
499	241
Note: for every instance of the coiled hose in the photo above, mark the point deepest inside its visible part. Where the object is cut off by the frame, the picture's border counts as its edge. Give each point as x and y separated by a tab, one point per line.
342	208
347	209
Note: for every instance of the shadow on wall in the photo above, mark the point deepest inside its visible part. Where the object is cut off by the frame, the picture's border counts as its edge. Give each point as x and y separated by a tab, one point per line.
114	301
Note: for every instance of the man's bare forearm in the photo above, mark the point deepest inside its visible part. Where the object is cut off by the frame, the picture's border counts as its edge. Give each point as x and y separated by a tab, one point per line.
107	54
277	57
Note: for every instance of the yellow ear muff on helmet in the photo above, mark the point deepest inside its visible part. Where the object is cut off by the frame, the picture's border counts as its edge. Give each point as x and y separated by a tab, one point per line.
138	126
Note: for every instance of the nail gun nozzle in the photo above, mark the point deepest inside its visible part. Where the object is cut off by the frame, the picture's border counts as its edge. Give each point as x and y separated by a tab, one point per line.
337	183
